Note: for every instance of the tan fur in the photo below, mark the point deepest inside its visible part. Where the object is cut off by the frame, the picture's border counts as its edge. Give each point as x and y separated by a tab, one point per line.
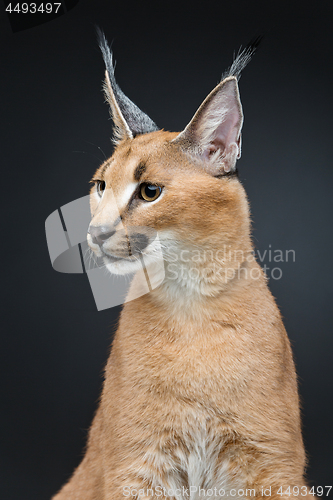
200	387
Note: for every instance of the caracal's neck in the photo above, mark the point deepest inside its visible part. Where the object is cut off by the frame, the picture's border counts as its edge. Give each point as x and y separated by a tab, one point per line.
186	297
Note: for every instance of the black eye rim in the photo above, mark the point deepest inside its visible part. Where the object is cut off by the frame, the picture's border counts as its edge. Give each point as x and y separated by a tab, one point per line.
144	196
100	186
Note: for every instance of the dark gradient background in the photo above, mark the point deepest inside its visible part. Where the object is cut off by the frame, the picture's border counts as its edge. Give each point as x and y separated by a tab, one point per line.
54	124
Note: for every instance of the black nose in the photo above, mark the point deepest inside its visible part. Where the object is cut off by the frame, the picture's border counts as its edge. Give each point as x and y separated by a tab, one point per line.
100	233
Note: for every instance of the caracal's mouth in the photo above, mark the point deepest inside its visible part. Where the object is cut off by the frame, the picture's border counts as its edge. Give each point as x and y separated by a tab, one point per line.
113	258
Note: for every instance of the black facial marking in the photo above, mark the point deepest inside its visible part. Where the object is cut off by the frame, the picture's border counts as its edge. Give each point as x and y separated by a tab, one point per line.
117	221
128	152
105	167
138	242
140	169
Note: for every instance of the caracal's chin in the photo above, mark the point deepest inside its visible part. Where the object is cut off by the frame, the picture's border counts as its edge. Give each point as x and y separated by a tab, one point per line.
151	260
122	266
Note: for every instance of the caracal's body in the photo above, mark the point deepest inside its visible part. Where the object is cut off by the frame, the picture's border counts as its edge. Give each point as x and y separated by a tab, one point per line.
200	394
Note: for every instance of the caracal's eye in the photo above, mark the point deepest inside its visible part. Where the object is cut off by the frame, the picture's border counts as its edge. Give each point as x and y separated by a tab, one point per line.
148	192
100	187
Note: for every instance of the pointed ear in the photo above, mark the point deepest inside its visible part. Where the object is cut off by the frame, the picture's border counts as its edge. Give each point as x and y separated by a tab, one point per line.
128	119
214	133
120	128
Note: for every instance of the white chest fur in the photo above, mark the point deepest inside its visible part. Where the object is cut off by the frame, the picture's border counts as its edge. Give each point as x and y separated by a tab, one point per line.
191	467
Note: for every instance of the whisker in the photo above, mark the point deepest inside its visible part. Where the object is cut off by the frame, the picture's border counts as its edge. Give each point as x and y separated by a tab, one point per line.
101	150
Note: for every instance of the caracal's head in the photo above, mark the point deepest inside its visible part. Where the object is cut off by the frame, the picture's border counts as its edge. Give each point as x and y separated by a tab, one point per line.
175	191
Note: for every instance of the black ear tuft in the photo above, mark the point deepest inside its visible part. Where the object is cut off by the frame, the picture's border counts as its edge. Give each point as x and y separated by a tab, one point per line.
136	120
243	58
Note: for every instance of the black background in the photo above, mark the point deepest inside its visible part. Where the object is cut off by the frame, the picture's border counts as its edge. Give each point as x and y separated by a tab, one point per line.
54	343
